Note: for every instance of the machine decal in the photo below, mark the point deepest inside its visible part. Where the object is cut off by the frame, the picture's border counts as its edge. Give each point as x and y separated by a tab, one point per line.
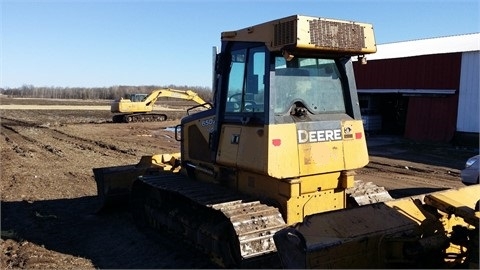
305	136
347	133
209	123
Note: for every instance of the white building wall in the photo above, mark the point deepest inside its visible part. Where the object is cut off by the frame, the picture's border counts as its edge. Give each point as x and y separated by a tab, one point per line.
439	45
469	93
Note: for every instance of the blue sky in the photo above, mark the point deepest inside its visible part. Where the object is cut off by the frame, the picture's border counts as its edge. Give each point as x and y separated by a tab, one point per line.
102	43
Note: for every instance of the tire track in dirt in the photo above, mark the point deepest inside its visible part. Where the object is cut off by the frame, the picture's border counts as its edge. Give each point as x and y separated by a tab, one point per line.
10	138
21	131
403	179
90	145
18	141
427	173
34	149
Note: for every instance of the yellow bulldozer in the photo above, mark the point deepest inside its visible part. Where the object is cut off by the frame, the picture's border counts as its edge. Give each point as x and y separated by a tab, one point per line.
267	173
139	107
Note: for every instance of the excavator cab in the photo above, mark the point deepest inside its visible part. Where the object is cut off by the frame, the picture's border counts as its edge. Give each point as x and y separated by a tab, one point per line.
137	97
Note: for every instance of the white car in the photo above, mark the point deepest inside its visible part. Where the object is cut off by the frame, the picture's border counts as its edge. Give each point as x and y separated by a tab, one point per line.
471	172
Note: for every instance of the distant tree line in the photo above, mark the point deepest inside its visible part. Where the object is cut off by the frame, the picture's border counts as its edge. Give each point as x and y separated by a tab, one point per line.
95	93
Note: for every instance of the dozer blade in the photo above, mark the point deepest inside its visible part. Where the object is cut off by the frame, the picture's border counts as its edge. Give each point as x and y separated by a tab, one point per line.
114	183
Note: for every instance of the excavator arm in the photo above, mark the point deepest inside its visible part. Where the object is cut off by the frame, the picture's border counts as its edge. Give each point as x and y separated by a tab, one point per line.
173	93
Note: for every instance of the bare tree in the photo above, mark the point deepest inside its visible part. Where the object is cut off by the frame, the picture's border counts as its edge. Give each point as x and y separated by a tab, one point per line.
96	93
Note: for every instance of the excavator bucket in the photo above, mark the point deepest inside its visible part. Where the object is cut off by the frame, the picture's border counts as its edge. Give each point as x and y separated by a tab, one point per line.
114	183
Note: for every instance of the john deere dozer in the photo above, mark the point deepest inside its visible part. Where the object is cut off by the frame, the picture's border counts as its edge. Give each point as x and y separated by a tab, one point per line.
265	172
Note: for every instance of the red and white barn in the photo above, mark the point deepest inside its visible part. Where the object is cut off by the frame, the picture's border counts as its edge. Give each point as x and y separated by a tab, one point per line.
424	90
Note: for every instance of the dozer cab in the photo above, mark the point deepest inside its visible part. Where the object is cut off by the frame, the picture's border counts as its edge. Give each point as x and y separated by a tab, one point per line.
139	107
265	173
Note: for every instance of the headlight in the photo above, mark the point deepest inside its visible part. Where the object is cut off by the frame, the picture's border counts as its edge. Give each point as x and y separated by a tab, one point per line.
471	161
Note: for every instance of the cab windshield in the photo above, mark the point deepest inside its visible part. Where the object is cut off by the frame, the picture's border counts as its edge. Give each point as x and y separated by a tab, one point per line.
312	82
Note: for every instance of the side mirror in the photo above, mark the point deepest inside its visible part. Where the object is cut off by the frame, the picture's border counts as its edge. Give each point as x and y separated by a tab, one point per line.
178	133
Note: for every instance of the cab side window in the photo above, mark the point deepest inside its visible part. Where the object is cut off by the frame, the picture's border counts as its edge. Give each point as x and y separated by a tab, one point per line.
246	81
236	81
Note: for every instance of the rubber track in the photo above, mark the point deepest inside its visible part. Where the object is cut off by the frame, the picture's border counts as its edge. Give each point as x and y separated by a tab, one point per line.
229	227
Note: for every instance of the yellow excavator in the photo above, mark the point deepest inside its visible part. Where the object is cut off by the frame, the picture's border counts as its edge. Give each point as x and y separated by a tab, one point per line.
139	107
268	173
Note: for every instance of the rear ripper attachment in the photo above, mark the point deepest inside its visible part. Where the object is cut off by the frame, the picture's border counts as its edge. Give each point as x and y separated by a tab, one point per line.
436	230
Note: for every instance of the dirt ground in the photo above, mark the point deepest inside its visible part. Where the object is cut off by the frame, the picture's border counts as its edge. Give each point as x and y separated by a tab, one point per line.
48	193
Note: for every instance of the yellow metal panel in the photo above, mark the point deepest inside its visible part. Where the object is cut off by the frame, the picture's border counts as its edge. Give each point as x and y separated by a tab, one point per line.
252	149
330	155
319	182
466	196
290	188
312	33
282	151
228	147
126	105
297	197
320	157
265	186
317	202
354	145
460	203
407	208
